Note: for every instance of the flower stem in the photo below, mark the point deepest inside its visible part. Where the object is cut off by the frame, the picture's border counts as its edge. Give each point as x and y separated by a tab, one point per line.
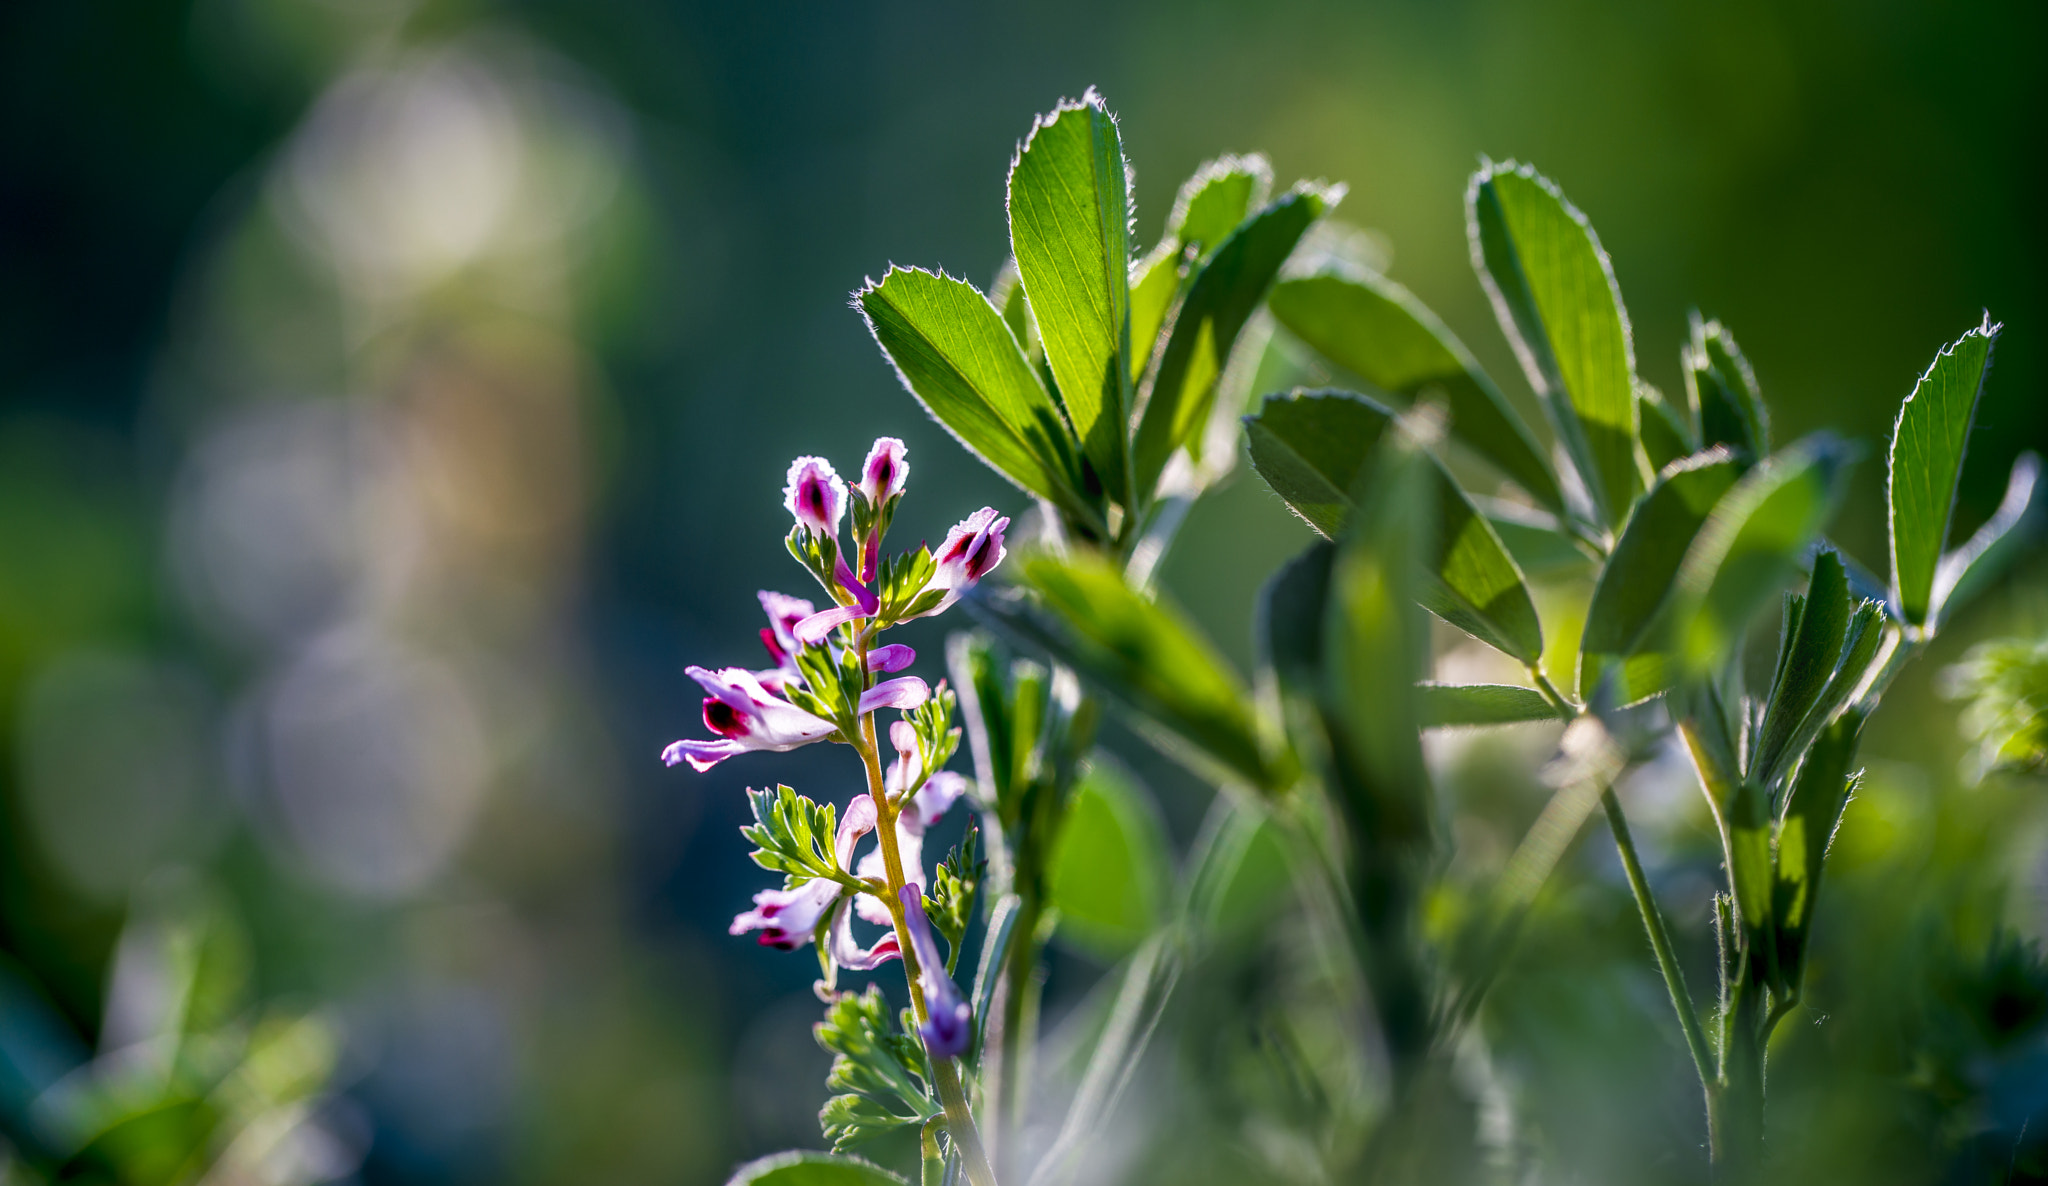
945	1077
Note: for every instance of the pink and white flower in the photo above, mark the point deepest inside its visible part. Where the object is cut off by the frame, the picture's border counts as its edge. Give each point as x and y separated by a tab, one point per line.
972	550
747	716
779	635
917	814
815	496
884	473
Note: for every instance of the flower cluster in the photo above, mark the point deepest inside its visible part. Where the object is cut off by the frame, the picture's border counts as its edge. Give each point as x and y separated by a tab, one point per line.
824	685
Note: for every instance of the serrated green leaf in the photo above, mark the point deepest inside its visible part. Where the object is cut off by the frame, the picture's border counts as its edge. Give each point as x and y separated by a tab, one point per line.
1554	293
802	1167
1926	460
1217	198
1376	329
1968	568
1108	872
955	354
1140	653
1723	389
1638	577
1070	215
1221	298
1311	447
1446	705
1812	652
1306	443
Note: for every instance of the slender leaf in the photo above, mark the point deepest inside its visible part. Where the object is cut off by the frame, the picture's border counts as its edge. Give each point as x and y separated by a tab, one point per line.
1928	441
1292	609
1155	281
1554	293
1307	443
1966	570
1724	392
1639	574
1859	649
1813	649
1219	301
1108	872
1446	705
1376	329
955	354
1540	544
805	1168
1812	812
1070	216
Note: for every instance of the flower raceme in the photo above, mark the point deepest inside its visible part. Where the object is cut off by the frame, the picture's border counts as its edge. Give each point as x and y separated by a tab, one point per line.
828	673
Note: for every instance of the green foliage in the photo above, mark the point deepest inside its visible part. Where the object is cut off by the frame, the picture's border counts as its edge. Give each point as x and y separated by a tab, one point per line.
1638	576
1482	704
1144	655
876	1078
955	354
1109	869
1221	299
794	836
1926	464
1070	233
954	885
1812	812
1829	641
2006	685
804	1168
1554	293
1311	447
1377	330
1724	394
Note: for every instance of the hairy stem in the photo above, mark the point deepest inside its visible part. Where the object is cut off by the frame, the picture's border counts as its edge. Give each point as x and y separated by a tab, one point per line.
945	1077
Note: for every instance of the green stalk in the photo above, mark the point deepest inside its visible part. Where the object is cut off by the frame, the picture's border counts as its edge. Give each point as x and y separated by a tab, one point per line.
1667	957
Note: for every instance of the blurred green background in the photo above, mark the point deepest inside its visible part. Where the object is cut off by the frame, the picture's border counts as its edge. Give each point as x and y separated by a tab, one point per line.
395	396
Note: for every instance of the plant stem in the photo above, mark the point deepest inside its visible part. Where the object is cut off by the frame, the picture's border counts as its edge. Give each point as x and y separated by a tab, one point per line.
945	1077
1557	699
1660	943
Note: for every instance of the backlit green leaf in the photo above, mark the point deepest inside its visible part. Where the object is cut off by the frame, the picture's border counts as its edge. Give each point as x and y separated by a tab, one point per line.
1108	873
1219	301
955	354
1724	392
1813	650
1667	436
1639	573
1811	814
805	1168
1752	546
1070	215
1554	293
1928	442
1307	443
1376	329
1445	705
1217	198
